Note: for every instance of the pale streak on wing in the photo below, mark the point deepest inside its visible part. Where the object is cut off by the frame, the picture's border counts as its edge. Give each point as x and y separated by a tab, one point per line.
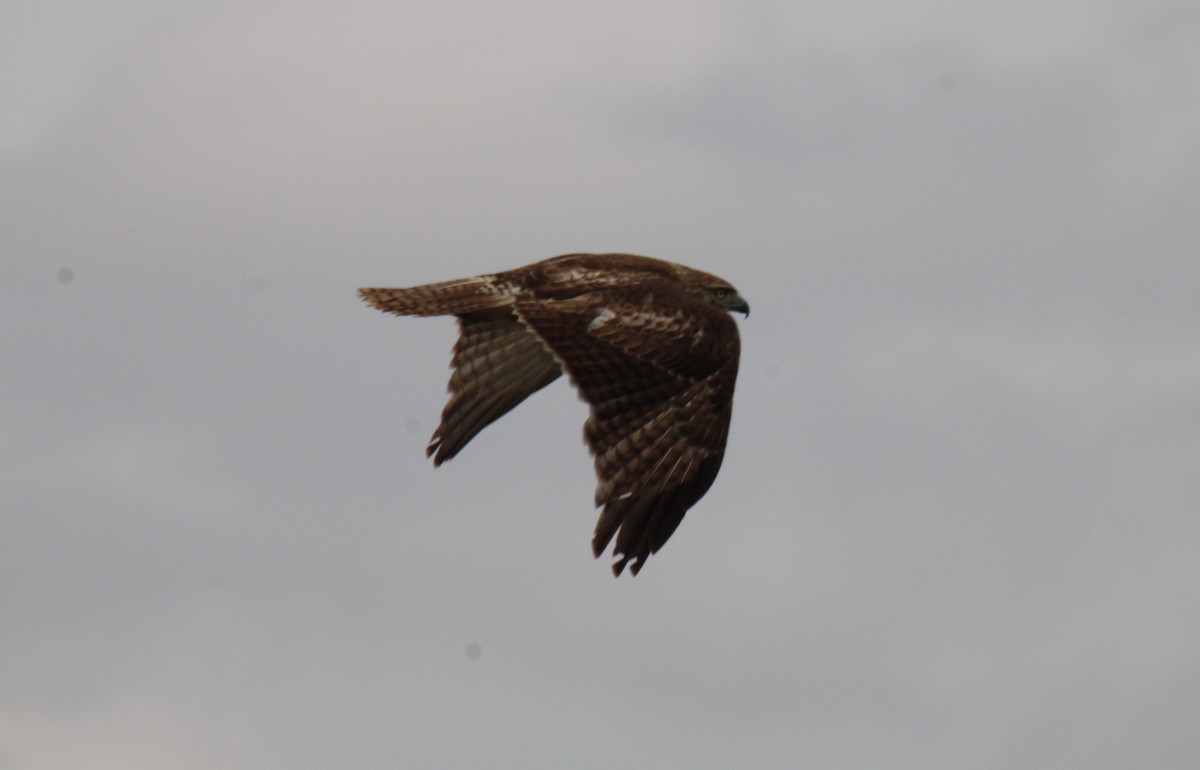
498	363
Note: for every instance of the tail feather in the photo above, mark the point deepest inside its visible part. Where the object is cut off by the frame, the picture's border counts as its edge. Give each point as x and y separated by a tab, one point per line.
465	295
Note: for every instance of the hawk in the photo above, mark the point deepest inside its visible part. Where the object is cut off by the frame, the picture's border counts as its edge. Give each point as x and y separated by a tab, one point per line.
648	344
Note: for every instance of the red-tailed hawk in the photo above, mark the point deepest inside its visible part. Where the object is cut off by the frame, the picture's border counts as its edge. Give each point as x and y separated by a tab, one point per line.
650	347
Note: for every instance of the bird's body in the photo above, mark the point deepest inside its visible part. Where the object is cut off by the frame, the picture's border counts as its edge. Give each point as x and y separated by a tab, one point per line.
649	345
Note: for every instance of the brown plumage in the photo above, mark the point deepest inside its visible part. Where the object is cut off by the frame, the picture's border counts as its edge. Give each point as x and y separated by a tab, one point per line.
649	345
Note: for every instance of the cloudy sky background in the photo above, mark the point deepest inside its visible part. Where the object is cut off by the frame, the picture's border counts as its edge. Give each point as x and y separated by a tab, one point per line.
959	520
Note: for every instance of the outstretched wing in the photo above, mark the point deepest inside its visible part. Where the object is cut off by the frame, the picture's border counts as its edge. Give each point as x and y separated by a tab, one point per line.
658	369
498	363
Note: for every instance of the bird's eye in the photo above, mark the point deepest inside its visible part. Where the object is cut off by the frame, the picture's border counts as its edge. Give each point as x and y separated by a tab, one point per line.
721	293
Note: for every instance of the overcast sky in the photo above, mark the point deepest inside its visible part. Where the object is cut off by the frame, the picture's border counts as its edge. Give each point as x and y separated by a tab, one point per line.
958	524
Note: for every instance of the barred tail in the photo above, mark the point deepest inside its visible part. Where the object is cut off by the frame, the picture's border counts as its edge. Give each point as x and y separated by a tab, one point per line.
465	295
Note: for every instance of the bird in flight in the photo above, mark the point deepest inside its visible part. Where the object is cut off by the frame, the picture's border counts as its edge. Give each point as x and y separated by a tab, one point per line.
648	344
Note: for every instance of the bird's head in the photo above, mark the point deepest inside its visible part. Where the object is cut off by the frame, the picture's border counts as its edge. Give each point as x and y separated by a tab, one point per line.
727	297
710	289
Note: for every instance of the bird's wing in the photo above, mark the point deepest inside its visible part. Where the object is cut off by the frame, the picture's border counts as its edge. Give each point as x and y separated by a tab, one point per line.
497	363
658	369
